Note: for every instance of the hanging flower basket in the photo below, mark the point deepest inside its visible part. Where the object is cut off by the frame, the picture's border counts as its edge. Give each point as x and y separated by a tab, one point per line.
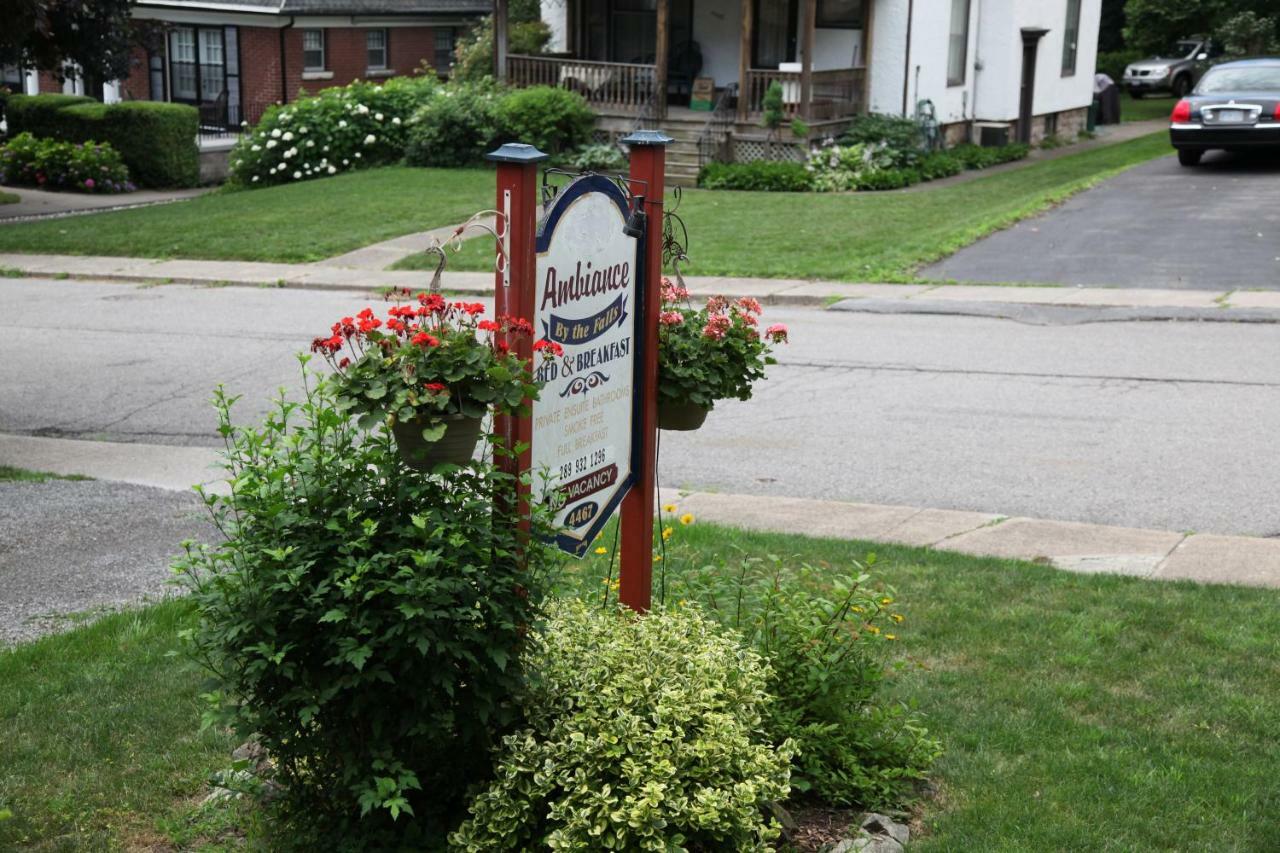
681	417
432	369
456	446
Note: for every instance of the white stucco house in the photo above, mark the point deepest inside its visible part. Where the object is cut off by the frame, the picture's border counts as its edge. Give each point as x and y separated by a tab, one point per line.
1015	69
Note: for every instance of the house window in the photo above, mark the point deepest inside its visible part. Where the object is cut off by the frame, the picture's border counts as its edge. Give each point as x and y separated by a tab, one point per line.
375	44
839	14
313	50
958	44
444	49
1070	37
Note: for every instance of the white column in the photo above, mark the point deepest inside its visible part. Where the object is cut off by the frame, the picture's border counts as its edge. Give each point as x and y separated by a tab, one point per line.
111	92
32	82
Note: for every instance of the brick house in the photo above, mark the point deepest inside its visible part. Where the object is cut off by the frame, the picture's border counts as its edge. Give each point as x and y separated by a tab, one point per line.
234	58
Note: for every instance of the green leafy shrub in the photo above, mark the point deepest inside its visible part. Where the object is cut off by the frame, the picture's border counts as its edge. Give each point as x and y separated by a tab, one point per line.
829	634
40	115
52	165
365	621
887	179
979	157
839	168
598	158
939	165
1113	63
338	130
549	118
157	141
902	141
473	57
759	175
642	734
457	126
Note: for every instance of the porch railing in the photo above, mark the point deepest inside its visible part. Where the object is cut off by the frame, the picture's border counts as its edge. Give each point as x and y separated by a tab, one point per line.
622	86
836	92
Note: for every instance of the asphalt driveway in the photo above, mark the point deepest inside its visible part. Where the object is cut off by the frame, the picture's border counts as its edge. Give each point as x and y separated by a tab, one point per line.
1156	225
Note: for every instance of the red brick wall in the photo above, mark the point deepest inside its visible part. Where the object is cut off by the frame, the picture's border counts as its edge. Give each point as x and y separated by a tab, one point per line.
137	86
50	84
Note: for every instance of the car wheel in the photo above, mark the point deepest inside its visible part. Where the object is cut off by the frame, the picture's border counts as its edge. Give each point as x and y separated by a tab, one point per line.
1181	85
1136	94
1189	156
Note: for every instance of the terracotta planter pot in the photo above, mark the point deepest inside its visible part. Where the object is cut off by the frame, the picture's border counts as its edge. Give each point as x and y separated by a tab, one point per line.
681	417
456	445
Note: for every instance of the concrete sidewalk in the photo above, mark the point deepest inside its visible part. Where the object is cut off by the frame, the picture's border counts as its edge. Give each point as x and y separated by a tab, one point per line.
955	299
1087	548
39	204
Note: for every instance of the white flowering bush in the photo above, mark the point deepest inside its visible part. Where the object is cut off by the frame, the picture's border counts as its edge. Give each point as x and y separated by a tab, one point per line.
337	130
642	734
839	168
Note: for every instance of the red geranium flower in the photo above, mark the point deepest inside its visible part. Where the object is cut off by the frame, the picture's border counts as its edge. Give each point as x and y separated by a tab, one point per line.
422	339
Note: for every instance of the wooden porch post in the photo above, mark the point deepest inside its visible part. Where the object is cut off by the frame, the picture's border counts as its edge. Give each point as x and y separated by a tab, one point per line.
744	62
500	40
806	61
660	59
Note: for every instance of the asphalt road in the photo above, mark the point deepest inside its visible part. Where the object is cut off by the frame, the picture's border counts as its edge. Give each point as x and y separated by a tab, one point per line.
1215	226
1161	425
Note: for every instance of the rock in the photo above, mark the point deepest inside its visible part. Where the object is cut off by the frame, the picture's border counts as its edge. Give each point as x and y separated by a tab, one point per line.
873	844
878	824
785	820
250	751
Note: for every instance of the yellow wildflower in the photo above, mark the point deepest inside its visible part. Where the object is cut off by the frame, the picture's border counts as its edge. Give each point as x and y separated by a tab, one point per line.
896	617
602	550
891	636
873	629
666	533
687	518
657	558
886	600
856	609
668	507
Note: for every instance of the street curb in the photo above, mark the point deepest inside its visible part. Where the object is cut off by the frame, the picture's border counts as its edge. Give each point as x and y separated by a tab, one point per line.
1094	304
1068	545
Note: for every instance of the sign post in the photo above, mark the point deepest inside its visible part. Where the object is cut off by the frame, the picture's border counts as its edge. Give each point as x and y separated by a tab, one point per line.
589	278
648	172
517	206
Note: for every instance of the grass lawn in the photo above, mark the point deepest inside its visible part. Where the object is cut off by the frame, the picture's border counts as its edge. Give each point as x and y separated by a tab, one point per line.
9	198
1132	109
101	738
884	236
1079	712
294	222
10	474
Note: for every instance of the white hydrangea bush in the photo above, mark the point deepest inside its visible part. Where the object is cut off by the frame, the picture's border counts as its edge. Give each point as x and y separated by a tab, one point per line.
336	130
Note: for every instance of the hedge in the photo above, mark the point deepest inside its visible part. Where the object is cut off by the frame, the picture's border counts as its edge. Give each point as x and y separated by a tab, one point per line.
759	175
40	115
157	140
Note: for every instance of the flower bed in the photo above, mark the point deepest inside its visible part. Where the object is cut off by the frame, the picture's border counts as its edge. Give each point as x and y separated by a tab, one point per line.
86	167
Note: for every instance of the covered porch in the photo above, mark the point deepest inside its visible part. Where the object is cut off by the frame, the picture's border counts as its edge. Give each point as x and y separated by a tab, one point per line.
644	58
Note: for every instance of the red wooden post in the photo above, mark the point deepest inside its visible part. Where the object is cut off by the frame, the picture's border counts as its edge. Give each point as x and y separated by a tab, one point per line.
635	573
514	280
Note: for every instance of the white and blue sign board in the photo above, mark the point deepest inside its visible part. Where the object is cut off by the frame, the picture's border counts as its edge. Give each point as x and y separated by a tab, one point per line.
586	299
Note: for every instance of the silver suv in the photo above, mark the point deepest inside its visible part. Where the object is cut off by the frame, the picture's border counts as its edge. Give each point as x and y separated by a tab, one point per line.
1176	73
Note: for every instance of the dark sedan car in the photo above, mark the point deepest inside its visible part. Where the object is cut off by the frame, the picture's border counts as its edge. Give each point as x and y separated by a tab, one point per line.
1235	106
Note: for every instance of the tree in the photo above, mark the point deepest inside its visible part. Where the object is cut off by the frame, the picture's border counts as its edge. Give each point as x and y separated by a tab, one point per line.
1249	34
48	34
1111	26
1153	25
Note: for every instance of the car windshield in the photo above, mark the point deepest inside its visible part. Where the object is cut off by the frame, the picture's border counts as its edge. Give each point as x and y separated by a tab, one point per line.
1182	49
1258	78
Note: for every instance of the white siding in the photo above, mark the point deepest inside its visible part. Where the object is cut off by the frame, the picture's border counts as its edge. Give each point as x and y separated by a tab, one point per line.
717	28
994	64
555	14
